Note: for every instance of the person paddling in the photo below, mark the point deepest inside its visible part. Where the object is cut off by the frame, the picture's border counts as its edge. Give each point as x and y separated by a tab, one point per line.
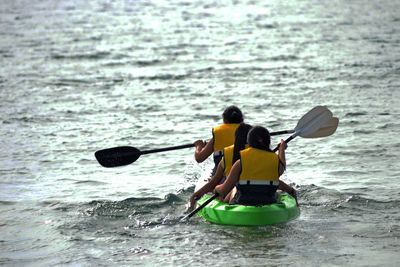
222	136
256	173
231	154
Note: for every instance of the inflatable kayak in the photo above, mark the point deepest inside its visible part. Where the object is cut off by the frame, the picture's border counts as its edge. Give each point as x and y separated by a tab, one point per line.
222	213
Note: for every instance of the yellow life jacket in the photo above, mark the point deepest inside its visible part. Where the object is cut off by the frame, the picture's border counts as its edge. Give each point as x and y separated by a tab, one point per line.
228	157
224	135
259	167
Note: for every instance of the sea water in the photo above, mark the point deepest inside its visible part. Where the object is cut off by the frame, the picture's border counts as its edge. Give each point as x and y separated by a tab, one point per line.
80	76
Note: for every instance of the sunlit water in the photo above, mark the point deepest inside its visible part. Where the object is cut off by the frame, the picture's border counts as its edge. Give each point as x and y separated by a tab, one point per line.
79	76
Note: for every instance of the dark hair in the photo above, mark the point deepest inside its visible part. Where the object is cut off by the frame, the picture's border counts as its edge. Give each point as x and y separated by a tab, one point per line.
259	137
240	140
232	114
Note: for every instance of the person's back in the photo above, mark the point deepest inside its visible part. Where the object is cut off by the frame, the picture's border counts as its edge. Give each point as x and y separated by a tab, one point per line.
222	136
259	176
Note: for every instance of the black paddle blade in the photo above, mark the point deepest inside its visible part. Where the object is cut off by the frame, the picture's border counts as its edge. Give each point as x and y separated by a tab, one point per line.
117	156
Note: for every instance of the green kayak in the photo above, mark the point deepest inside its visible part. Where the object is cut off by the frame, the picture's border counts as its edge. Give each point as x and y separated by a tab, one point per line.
222	213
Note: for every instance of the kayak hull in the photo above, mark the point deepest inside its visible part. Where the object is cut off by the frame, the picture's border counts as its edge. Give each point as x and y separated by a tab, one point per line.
222	213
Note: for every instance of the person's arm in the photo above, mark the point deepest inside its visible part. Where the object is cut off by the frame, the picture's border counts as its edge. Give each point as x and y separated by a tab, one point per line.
208	187
203	151
287	188
282	157
230	181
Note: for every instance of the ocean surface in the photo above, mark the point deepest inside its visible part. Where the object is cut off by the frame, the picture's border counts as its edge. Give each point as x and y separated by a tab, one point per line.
80	76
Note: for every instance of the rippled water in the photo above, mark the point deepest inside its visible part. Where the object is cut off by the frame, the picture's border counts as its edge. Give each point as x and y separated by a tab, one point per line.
79	76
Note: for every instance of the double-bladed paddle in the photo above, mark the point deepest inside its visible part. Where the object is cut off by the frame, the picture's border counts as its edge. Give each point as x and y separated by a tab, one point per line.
124	155
318	122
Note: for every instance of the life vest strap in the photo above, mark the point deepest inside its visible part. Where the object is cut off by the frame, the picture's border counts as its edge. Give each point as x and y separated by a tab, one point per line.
258	182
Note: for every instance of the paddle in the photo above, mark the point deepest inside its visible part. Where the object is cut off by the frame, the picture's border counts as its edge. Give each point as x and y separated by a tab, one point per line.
327	129
200	207
124	155
318	122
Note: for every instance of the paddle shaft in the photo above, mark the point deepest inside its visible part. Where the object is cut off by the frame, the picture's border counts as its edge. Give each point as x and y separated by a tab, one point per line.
192	145
201	206
166	149
282	132
286	141
124	155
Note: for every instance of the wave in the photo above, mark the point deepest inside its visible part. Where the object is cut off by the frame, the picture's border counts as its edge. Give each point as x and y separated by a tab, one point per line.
355	114
147	63
165	77
138	212
88	56
345	202
70	82
7	203
133	206
90	182
267	25
30	119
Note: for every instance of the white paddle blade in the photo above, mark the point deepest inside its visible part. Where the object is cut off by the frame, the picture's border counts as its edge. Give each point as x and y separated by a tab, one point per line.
327	129
311	116
315	124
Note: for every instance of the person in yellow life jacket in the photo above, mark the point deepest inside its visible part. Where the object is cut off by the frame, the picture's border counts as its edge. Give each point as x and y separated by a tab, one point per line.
231	154
256	173
222	136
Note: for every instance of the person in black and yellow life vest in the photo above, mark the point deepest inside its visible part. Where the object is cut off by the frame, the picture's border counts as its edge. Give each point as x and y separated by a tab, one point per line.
256	173
231	154
223	136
